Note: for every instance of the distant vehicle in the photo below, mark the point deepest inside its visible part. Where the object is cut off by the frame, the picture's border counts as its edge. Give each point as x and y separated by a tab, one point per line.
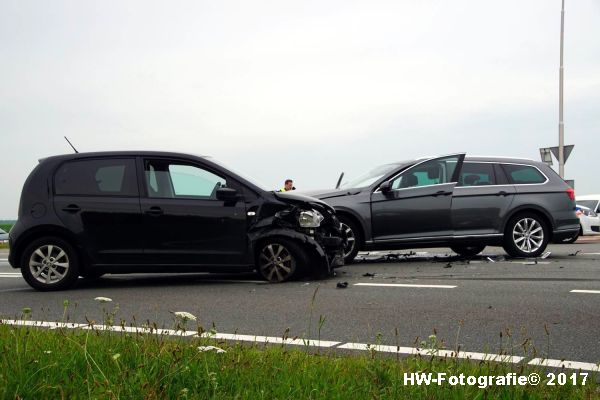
589	223
3	236
591	201
463	203
87	214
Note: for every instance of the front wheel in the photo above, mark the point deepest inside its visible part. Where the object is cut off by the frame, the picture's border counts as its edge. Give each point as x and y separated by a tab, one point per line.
49	264
353	239
280	260
526	235
467	251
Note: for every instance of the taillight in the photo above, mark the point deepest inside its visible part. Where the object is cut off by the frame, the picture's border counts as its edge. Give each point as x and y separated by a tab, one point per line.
571	193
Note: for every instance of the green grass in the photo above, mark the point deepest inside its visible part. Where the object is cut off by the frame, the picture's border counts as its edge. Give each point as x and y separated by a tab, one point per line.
37	363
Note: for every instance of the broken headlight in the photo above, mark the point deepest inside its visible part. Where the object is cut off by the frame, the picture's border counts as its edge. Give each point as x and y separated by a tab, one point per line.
310	219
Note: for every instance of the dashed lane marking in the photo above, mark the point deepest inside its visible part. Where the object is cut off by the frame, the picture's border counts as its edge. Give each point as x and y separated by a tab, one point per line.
585	291
406	285
503	358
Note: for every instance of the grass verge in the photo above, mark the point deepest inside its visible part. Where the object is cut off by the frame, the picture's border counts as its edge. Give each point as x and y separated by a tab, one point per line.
64	363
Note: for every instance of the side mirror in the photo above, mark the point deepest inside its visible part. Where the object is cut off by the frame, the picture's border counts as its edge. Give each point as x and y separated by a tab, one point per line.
385	187
227	194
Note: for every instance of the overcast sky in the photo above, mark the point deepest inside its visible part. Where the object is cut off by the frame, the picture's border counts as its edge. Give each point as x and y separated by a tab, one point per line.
299	89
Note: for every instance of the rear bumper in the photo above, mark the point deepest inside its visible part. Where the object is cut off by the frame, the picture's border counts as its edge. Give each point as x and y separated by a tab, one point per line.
560	236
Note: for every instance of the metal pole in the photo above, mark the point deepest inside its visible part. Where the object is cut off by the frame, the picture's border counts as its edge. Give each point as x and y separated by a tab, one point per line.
561	125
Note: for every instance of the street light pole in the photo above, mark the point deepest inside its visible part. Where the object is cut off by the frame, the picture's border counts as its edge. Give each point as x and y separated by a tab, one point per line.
561	125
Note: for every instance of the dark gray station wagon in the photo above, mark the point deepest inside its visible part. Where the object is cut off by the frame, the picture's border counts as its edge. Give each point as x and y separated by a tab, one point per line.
465	203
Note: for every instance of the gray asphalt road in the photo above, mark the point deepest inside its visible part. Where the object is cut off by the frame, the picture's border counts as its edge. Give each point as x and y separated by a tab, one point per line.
469	304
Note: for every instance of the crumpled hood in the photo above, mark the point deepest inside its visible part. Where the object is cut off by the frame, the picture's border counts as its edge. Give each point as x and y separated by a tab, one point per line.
294	198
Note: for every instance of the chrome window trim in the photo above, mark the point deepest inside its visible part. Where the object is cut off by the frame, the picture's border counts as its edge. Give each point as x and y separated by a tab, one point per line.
377	190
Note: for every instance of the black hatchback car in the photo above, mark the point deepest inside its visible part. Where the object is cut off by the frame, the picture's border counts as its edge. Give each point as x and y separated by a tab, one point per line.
88	214
463	203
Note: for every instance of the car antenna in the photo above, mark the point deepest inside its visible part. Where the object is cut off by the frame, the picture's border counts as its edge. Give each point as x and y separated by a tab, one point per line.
70	144
339	181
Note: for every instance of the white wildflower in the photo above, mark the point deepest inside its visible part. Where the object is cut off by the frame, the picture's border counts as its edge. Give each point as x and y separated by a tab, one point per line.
103	299
185	316
211	348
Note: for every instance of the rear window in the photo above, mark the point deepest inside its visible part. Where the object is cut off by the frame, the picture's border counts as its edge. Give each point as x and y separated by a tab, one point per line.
109	177
523	174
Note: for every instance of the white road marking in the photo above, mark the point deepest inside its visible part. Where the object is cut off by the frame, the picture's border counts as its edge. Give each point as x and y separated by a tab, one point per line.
437	353
589	254
318	343
405	285
10	275
585	291
565	364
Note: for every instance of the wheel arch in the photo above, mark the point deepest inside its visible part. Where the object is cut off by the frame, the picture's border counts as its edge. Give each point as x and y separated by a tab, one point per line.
543	214
47	230
345	213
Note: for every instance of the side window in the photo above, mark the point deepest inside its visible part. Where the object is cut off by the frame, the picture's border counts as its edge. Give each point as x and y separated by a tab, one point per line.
107	177
431	172
477	174
523	174
172	180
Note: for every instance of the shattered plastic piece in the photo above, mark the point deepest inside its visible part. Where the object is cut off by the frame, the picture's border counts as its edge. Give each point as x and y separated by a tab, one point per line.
449	265
534	262
546	255
211	348
490	259
342	285
574	254
369	274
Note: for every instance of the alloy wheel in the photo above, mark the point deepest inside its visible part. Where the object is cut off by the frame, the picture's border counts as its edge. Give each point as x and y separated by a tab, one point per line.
276	263
350	240
49	264
528	235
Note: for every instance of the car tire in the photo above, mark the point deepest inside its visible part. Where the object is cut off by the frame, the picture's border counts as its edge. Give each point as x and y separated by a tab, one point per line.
50	264
280	260
353	238
467	251
526	235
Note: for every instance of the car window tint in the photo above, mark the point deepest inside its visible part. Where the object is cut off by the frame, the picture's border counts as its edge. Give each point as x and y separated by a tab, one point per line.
172	180
431	172
523	174
109	177
476	174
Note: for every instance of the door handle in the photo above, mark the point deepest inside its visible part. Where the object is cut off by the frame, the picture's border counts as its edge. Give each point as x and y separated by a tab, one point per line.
155	211
441	193
72	208
502	193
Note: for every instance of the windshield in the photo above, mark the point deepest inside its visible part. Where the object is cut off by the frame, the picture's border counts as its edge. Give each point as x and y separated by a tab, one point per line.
371	177
591	204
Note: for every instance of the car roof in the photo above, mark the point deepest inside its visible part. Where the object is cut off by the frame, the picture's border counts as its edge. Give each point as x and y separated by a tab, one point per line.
126	153
500	159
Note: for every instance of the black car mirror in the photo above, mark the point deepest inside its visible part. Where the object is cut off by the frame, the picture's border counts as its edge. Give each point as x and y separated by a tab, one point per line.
227	194
385	187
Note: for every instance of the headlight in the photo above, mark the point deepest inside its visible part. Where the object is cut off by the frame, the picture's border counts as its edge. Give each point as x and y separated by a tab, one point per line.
310	219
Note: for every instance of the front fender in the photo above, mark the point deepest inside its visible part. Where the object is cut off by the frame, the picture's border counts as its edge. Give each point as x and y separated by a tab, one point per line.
308	242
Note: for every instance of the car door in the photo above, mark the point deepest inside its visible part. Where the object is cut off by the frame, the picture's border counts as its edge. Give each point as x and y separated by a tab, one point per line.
97	199
417	202
481	199
184	221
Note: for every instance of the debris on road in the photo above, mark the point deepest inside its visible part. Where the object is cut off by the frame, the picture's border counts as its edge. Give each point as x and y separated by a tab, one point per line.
449	265
574	254
546	255
342	285
211	348
368	274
